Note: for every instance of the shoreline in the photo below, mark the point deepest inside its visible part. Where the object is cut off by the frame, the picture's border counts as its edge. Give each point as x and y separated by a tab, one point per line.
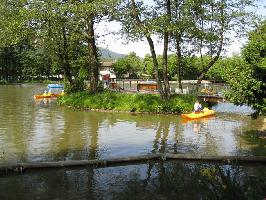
137	103
120	111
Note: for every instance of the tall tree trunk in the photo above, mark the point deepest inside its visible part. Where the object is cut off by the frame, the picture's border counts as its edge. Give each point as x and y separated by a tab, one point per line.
65	58
93	56
151	44
155	65
166	88
179	60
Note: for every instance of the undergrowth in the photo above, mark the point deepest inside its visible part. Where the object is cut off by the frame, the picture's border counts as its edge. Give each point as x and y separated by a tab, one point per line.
128	102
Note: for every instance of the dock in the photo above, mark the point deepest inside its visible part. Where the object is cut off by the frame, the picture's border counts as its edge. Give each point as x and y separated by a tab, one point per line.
212	98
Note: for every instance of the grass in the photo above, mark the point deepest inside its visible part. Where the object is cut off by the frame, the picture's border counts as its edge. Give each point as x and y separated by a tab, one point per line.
128	102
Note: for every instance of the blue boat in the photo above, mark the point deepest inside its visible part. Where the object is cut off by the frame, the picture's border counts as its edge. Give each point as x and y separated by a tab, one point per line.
55	86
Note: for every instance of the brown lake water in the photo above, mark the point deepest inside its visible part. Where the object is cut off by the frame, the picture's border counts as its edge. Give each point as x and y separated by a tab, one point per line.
36	130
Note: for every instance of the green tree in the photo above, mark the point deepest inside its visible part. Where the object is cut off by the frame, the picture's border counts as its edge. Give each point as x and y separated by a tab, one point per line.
181	23
121	67
130	65
148	66
66	30
85	15
254	53
12	24
172	69
140	21
201	28
13	36
62	30
9	63
247	76
163	22
214	23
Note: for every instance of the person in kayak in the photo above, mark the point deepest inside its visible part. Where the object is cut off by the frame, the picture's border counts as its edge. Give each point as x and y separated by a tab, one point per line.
49	92
197	107
45	93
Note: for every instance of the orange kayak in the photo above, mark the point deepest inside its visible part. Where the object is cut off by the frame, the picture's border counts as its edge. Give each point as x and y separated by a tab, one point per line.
204	113
41	96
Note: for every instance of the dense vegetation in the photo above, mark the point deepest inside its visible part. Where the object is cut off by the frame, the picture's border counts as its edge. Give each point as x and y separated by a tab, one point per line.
50	39
247	77
109	100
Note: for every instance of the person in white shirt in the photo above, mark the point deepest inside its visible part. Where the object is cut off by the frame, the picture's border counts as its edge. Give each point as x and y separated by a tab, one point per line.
197	107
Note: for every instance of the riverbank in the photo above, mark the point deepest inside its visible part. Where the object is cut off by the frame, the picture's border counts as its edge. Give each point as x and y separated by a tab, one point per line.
127	102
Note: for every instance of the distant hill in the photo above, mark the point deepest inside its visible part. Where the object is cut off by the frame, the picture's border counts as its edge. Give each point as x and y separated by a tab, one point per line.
106	54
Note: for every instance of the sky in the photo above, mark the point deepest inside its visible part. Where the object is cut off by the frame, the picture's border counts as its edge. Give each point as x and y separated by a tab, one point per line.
118	44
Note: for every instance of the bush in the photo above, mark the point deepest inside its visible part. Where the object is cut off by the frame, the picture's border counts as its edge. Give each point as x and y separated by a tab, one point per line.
76	86
2	82
109	100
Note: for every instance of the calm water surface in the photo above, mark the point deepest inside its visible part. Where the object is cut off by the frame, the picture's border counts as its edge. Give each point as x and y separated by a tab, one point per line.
34	131
37	130
156	181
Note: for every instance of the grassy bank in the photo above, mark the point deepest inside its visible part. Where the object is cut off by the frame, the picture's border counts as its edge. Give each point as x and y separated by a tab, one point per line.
136	102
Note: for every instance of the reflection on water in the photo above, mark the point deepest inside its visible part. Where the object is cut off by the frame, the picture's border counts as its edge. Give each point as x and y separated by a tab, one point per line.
40	130
168	180
33	131
231	108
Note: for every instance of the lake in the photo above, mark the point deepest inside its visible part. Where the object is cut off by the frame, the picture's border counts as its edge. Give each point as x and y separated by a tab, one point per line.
40	130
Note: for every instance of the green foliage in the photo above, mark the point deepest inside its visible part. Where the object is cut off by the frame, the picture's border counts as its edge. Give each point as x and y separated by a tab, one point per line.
100	86
195	28
9	64
49	38
46	38
76	86
2	82
131	64
108	100
218	70
12	24
247	76
121	67
148	66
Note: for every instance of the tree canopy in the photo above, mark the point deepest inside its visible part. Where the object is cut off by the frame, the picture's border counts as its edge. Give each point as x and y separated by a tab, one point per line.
129	66
42	39
247	76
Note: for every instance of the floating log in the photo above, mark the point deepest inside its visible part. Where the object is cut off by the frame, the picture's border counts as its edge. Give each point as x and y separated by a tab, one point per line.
20	167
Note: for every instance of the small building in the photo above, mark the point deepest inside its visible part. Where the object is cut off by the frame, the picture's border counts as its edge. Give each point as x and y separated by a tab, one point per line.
107	68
